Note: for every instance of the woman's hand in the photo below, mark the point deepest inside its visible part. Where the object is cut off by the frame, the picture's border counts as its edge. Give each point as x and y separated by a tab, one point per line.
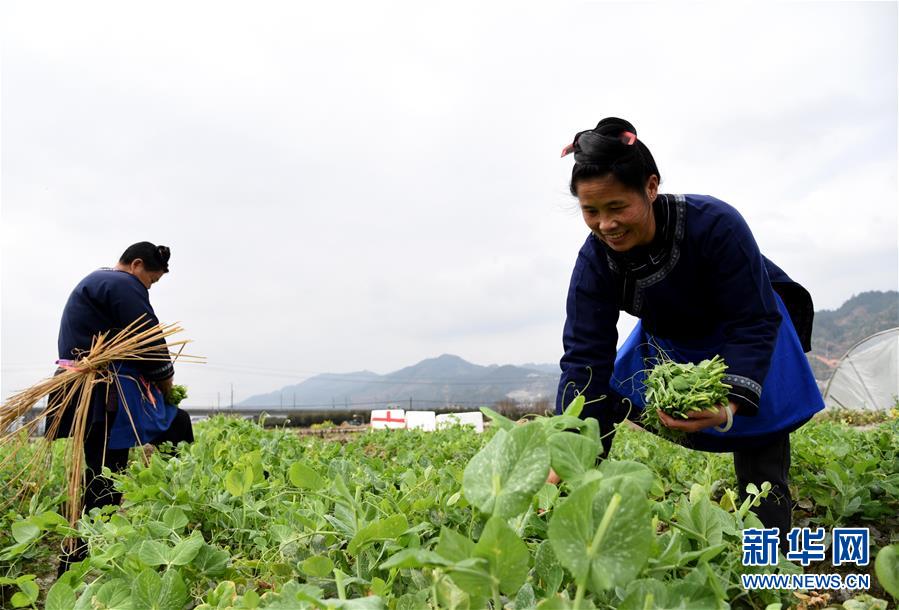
698	420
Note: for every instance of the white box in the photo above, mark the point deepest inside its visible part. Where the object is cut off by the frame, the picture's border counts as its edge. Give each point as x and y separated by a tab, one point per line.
388	418
423	420
470	418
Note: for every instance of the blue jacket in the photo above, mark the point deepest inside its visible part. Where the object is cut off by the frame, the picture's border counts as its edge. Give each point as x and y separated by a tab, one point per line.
107	300
701	284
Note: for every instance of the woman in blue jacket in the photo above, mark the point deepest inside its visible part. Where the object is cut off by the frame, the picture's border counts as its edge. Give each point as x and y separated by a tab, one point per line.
107	301
689	268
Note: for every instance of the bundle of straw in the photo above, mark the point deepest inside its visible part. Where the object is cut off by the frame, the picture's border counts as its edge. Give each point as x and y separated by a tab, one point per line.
74	386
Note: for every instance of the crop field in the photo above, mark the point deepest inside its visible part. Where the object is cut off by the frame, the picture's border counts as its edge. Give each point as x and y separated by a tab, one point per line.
407	520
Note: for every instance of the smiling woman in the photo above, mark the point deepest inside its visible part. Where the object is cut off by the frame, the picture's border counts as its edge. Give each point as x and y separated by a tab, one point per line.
689	268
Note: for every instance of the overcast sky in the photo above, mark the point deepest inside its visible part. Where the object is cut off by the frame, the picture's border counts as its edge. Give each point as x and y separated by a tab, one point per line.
350	186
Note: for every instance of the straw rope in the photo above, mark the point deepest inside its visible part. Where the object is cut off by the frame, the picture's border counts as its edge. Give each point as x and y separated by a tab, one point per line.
74	386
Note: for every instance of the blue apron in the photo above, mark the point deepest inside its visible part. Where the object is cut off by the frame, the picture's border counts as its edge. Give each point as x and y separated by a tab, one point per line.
150	415
789	397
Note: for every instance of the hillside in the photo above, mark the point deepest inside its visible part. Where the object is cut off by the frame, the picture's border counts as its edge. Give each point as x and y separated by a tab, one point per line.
446	379
449	379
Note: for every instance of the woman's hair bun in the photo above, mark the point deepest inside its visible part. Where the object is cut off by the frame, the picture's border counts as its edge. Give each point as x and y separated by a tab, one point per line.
612	147
613	127
164	254
155	258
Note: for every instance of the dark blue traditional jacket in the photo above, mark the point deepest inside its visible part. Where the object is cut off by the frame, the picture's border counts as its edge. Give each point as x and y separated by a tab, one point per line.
702	280
108	300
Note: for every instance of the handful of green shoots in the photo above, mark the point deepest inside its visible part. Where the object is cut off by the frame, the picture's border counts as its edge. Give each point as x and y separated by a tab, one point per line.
679	389
176	394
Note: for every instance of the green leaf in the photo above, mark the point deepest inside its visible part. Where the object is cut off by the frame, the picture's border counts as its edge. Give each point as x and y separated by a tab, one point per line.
20	600
634	472
688	596
572	454
453	545
115	595
503	477
547	496
49	520
501	421
175	518
370	602
11	552
224	594
379	587
451	597
525	598
146	589
701	518
304	477
186	550
254	460
547	569
211	561
414	558
29	590
239	480
150	592
318	565
702	555
560	423
559	603
99	558
60	597
413	601
174	594
382	529
473	576
644	593
886	566
158	529
575	407
25	531
506	554
591	431
602	533
153	553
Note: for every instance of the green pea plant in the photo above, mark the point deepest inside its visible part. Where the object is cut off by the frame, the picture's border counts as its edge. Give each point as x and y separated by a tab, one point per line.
410	520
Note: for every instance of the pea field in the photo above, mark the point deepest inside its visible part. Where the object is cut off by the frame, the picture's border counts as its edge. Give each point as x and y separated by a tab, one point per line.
248	517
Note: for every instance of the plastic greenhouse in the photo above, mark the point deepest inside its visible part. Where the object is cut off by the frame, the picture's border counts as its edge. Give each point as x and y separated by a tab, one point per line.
867	377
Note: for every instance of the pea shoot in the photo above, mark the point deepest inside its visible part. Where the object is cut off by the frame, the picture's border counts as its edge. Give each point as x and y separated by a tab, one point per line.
679	389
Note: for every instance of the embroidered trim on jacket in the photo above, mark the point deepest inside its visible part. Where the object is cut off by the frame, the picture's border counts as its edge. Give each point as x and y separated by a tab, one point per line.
680	223
743	382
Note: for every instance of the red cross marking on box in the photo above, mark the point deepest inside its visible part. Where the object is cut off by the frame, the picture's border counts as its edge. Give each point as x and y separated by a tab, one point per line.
389	419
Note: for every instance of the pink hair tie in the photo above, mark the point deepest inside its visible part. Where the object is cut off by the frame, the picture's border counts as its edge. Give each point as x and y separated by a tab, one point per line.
628	138
568	149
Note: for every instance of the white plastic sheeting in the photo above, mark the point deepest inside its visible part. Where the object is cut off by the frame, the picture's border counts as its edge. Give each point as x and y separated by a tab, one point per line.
422	420
471	418
867	377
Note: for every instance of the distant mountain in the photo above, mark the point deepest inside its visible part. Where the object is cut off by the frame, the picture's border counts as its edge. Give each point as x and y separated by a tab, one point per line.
449	379
550	369
835	331
444	380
